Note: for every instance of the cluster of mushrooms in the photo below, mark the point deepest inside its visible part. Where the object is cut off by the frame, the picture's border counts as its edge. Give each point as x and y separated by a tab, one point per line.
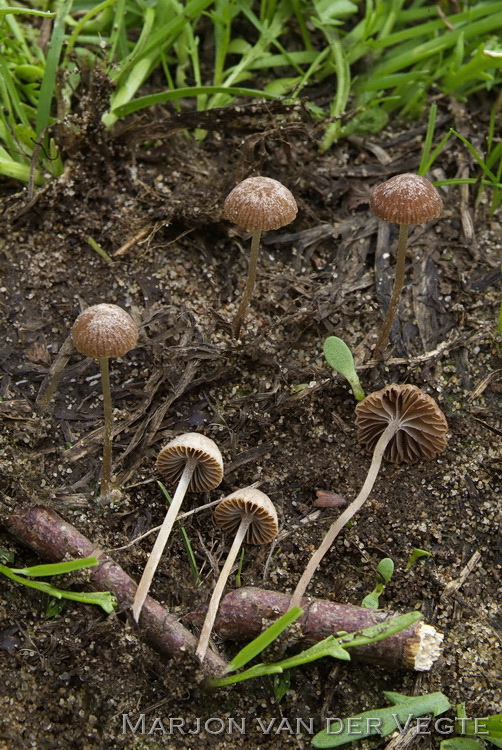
398	423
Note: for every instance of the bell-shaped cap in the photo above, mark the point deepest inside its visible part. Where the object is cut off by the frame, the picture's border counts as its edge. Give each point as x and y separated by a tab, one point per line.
406	199
260	203
208	472
104	330
264	524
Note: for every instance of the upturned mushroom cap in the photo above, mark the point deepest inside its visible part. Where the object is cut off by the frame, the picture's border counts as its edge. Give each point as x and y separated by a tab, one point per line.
406	199
208	472
260	203
104	331
264	525
422	430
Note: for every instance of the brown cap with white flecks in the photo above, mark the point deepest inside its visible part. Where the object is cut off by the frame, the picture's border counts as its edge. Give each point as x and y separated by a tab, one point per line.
260	203
406	199
104	330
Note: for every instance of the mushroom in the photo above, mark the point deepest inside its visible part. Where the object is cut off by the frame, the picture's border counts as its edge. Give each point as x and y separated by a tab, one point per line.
404	199
195	462
257	204
251	515
400	423
103	331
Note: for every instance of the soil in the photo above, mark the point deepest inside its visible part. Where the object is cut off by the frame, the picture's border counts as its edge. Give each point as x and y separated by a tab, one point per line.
151	196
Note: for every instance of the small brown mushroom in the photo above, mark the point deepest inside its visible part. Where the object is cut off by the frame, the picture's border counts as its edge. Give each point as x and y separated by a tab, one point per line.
400	423
251	515
195	462
422	428
103	331
404	199
257	204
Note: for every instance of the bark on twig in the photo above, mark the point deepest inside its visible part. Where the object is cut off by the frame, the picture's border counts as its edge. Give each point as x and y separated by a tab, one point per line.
243	613
53	538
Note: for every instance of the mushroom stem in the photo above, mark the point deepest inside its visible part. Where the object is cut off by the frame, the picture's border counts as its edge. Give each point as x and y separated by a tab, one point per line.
347	514
251	280
220	586
396	292
160	542
106	469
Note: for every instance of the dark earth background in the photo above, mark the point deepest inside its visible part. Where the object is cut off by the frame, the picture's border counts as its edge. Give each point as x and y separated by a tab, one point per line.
151	195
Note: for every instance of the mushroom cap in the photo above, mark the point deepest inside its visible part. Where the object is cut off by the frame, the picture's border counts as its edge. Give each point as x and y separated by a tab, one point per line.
104	331
406	199
422	430
264	524
208	472
260	203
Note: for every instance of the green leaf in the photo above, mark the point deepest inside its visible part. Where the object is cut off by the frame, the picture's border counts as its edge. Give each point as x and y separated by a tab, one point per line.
339	357
281	684
371	600
54	569
461	743
103	599
260	643
385	569
165	96
384	572
489	728
333	646
382	721
51	67
26	11
415	555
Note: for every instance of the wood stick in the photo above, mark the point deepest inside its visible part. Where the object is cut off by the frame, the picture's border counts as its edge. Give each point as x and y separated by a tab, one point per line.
53	538
242	615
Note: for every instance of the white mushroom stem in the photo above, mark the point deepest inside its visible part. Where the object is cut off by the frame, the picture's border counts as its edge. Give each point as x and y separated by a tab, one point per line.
106	468
251	280
347	514
220	586
161	541
396	292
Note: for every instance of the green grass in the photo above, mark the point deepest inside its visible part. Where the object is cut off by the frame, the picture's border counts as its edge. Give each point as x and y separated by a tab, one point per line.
373	59
490	164
23	576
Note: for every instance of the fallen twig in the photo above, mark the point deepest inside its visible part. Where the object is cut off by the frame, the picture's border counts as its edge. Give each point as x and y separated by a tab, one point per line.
242	615
245	612
53	538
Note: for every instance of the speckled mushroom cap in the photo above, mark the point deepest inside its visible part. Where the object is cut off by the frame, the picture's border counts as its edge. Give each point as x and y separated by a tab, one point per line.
230	511
260	203
104	331
208	472
422	430
406	199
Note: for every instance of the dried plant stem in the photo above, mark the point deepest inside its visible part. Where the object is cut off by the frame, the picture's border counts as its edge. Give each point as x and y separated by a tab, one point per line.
347	514
220	586
51	382
396	293
251	280
163	536
106	468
